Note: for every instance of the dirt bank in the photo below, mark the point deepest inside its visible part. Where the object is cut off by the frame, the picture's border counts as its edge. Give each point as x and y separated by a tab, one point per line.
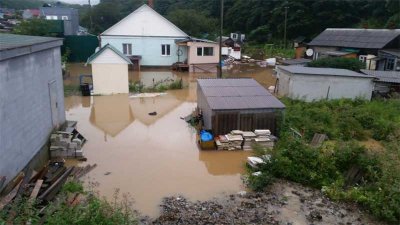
284	203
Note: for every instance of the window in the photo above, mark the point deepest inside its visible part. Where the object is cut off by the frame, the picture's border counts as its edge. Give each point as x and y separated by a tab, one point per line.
165	50
205	51
51	18
208	51
199	51
362	58
127	49
64	17
389	64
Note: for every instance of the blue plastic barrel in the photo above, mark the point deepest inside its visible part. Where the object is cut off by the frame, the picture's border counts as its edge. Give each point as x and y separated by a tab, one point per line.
206	136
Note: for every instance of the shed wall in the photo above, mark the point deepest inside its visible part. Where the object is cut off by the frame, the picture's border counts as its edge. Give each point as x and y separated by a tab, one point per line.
110	78
314	87
25	110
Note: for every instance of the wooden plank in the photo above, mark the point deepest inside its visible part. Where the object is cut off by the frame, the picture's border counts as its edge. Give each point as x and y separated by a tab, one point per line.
40	174
2	181
36	189
50	193
10	196
13	183
86	171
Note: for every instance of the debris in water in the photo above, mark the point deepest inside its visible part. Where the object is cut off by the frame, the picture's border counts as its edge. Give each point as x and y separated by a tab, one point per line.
153	113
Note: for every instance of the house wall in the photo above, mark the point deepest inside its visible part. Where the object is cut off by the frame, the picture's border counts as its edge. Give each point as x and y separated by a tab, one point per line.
194	59
314	87
110	78
149	48
25	110
319	49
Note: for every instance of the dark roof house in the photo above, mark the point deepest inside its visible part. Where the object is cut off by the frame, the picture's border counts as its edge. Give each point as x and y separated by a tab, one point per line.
357	38
68	15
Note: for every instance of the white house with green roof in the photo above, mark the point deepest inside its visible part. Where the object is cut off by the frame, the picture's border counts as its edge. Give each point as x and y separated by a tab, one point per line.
109	71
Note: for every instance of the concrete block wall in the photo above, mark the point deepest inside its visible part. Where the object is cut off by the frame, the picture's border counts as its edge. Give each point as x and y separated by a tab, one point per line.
25	110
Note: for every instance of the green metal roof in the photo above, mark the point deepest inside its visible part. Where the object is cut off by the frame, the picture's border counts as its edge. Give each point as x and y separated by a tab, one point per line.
11	41
108	46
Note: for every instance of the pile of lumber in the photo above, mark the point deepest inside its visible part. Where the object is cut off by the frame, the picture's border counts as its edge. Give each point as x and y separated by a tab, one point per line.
243	140
229	142
264	138
42	185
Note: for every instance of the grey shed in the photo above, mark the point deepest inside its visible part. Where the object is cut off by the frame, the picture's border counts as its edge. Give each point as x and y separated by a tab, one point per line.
229	104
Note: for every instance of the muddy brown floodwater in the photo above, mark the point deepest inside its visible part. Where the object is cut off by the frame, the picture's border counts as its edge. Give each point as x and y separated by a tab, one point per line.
151	157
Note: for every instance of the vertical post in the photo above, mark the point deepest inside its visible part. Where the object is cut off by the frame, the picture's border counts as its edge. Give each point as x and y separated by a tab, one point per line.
90	17
219	74
284	35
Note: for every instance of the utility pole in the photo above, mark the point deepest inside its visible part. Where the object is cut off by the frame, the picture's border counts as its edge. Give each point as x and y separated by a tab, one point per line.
219	74
90	16
284	33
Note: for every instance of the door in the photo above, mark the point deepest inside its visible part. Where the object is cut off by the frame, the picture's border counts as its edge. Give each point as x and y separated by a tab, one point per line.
53	102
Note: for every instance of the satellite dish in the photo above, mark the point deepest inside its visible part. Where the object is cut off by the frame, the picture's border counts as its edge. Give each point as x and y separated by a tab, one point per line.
309	52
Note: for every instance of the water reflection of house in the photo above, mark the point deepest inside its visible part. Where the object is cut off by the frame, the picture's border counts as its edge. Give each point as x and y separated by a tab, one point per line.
362	43
111	114
141	107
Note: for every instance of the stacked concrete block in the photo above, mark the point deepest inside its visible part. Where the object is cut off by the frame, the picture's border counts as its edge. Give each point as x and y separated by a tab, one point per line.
66	144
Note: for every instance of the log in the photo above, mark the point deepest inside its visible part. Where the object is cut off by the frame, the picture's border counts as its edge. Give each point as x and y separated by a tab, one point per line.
51	192
13	183
36	190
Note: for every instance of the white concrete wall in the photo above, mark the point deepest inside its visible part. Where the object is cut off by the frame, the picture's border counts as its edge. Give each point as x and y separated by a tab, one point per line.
110	78
25	110
314	87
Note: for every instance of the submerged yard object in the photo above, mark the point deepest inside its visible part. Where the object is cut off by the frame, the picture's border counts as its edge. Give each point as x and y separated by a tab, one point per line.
206	140
206	136
153	113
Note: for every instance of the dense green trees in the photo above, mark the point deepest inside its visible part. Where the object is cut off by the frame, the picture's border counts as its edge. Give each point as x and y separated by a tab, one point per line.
338	62
257	17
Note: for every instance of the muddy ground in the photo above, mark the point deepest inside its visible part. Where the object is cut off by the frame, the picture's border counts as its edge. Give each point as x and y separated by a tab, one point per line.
283	203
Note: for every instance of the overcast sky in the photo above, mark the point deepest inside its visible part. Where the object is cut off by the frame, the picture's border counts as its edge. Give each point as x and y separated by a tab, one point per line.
93	2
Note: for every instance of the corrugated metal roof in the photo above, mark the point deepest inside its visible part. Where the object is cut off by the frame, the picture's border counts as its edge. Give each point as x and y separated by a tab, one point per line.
10	41
322	71
355	38
245	93
57	11
384	76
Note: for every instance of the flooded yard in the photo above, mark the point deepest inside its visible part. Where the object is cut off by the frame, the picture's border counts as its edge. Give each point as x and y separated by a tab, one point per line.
152	157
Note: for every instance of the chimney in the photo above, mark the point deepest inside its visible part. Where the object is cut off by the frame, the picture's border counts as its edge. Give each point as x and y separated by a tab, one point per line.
151	3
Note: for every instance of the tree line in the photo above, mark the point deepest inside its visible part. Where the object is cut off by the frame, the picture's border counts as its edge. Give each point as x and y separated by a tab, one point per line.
261	20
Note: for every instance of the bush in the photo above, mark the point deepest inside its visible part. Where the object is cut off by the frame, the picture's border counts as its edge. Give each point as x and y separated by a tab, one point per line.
338	62
342	167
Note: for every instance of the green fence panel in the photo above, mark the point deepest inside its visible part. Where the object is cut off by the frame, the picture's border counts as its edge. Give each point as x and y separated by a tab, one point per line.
80	47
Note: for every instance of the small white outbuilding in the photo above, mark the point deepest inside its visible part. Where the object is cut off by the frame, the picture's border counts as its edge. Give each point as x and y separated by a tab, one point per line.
310	83
109	71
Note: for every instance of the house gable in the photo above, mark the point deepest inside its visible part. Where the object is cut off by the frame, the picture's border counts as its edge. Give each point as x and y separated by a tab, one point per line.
144	21
108	55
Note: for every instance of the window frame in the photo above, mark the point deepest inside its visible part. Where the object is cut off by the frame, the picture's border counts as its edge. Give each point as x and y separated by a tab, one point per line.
128	49
203	51
165	50
390	64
